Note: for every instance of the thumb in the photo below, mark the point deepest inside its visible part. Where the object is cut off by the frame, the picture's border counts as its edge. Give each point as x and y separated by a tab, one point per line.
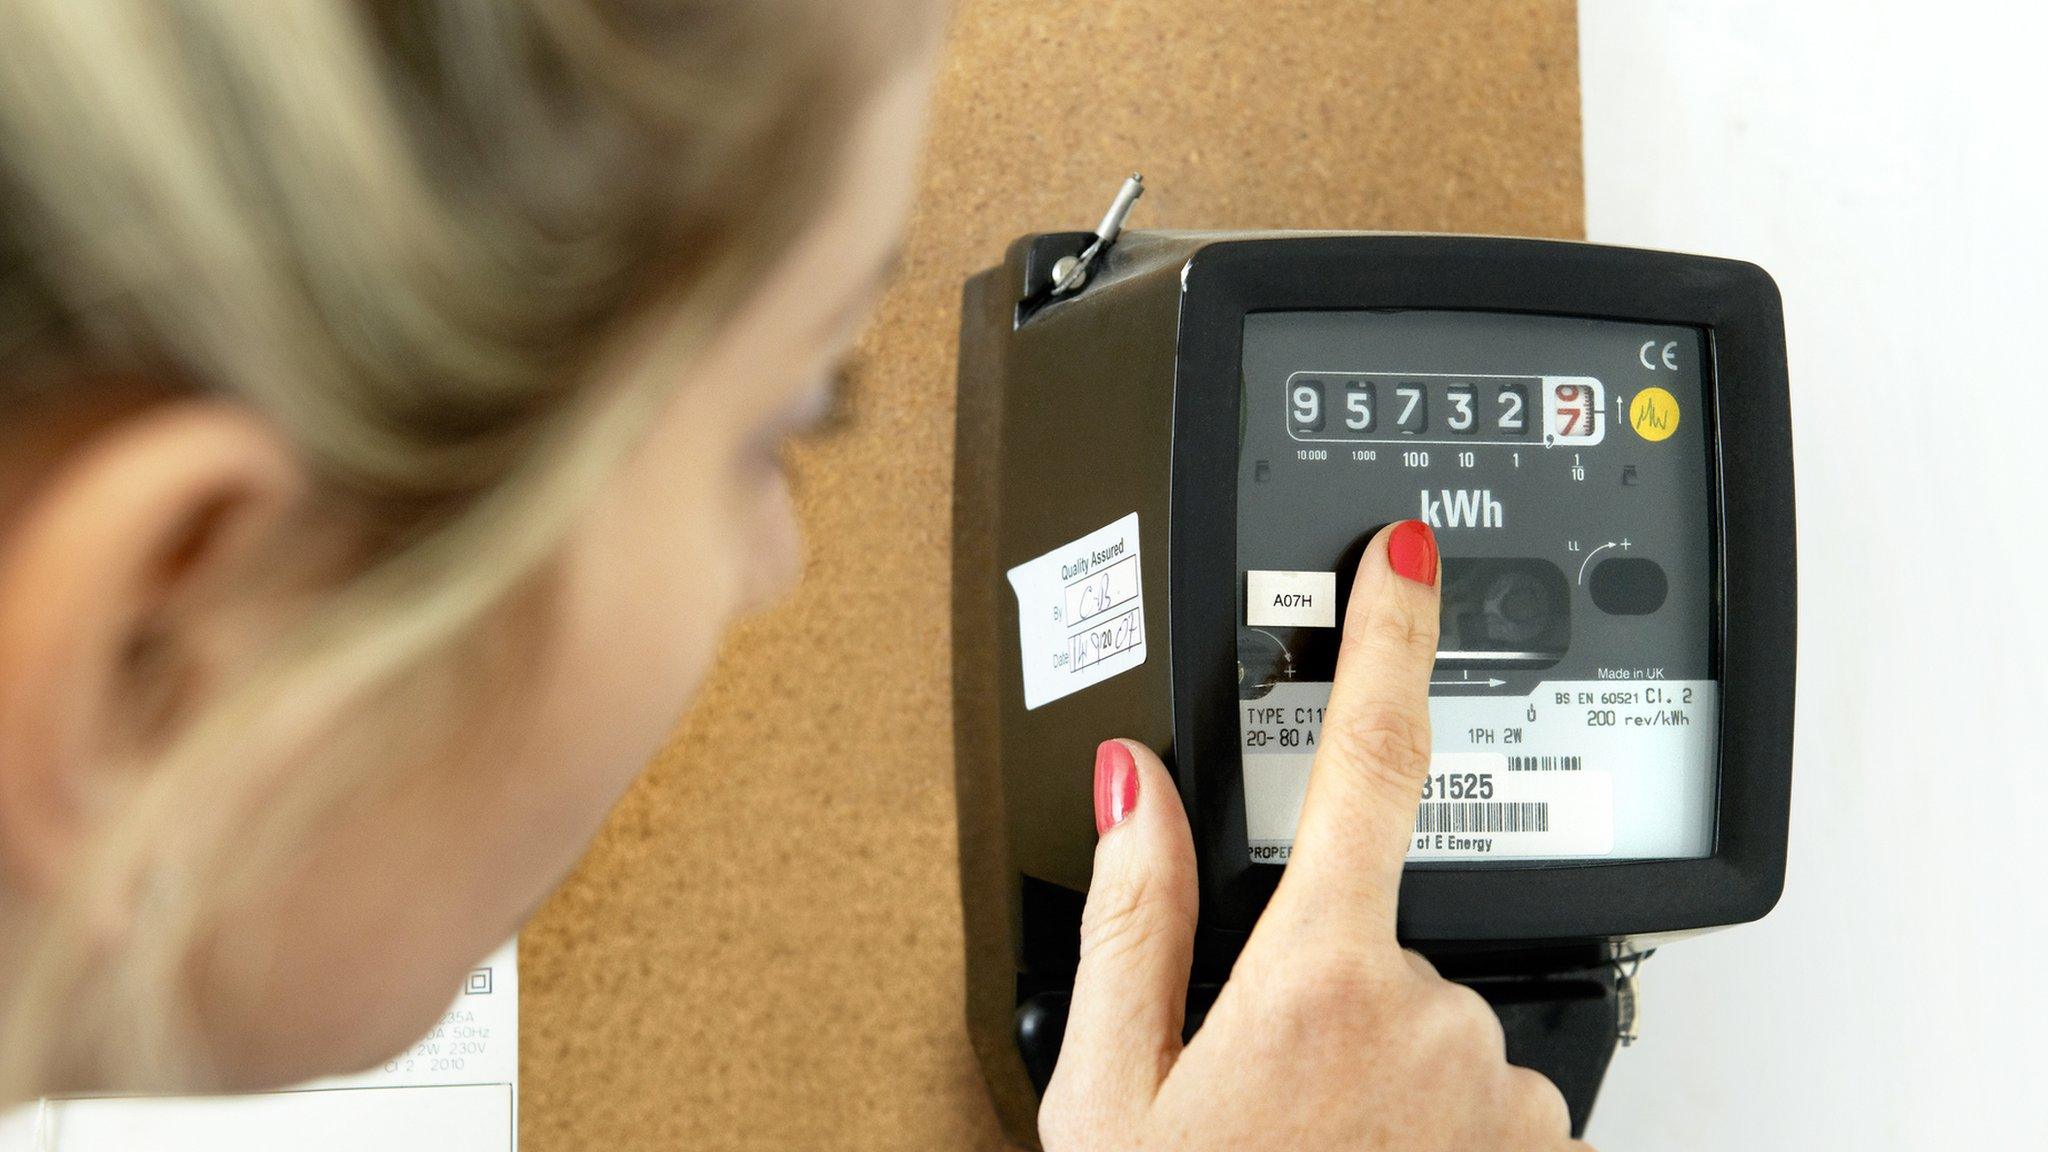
1137	941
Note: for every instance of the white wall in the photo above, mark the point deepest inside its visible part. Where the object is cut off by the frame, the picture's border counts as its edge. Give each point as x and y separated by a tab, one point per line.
1884	160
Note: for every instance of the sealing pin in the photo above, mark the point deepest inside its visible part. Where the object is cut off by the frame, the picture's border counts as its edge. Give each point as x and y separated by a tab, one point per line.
1069	273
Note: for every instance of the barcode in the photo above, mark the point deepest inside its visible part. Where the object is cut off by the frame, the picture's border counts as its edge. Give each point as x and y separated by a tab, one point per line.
1545	763
1487	816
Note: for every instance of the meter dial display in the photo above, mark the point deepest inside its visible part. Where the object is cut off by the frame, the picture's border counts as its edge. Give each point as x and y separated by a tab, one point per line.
1570	481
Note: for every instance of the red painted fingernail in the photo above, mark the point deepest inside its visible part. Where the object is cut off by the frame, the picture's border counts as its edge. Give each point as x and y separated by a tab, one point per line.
1411	551
1116	784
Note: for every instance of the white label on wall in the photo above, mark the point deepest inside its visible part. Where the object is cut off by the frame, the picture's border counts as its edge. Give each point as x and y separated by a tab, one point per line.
1290	599
455	1090
1081	612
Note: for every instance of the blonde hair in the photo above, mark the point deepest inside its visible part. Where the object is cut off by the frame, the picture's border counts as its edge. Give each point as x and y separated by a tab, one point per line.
401	230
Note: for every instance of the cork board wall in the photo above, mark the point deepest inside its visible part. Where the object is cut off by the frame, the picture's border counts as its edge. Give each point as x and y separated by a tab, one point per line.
763	950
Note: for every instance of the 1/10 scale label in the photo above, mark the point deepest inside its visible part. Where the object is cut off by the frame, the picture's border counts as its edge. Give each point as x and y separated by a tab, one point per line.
1574	769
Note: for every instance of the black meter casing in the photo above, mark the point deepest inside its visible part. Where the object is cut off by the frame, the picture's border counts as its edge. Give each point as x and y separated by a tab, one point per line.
1128	397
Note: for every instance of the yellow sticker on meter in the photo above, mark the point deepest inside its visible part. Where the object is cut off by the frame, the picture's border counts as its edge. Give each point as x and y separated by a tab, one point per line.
1653	414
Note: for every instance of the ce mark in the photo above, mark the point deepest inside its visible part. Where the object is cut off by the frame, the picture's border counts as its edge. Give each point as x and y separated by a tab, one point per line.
1668	354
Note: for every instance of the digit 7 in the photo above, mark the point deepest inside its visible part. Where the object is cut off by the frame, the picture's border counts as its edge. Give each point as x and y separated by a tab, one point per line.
1568	394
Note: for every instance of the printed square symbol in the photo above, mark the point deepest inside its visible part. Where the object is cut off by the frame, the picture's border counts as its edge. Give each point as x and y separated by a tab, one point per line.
479	983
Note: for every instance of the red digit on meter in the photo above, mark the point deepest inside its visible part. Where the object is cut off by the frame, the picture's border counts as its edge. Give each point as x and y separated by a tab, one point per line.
1574	409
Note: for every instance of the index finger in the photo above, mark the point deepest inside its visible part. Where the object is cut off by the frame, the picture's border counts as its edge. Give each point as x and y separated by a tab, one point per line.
1358	816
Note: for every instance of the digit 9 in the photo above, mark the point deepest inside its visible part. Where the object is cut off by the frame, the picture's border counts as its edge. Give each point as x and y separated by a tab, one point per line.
1305	406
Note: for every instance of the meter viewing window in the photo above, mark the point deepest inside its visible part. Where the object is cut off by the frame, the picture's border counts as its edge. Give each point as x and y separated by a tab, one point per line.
1568	473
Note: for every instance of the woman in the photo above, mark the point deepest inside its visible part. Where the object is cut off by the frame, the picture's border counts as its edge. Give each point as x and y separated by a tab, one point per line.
394	392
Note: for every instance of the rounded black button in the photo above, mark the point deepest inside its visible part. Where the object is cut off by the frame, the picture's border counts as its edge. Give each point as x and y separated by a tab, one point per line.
1629	586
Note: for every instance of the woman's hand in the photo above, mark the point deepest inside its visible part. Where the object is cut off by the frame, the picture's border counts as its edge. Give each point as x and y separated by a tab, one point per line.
1328	1035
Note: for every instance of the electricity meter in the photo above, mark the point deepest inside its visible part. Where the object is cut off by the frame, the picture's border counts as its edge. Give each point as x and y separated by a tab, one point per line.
1172	448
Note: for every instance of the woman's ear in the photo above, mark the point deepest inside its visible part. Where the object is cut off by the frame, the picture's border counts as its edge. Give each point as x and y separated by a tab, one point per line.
120	571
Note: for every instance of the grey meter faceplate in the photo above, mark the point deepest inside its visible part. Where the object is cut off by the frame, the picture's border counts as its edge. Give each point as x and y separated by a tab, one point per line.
1565	464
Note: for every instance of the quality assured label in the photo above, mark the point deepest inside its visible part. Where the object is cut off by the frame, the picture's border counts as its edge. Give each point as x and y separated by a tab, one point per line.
1081	612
